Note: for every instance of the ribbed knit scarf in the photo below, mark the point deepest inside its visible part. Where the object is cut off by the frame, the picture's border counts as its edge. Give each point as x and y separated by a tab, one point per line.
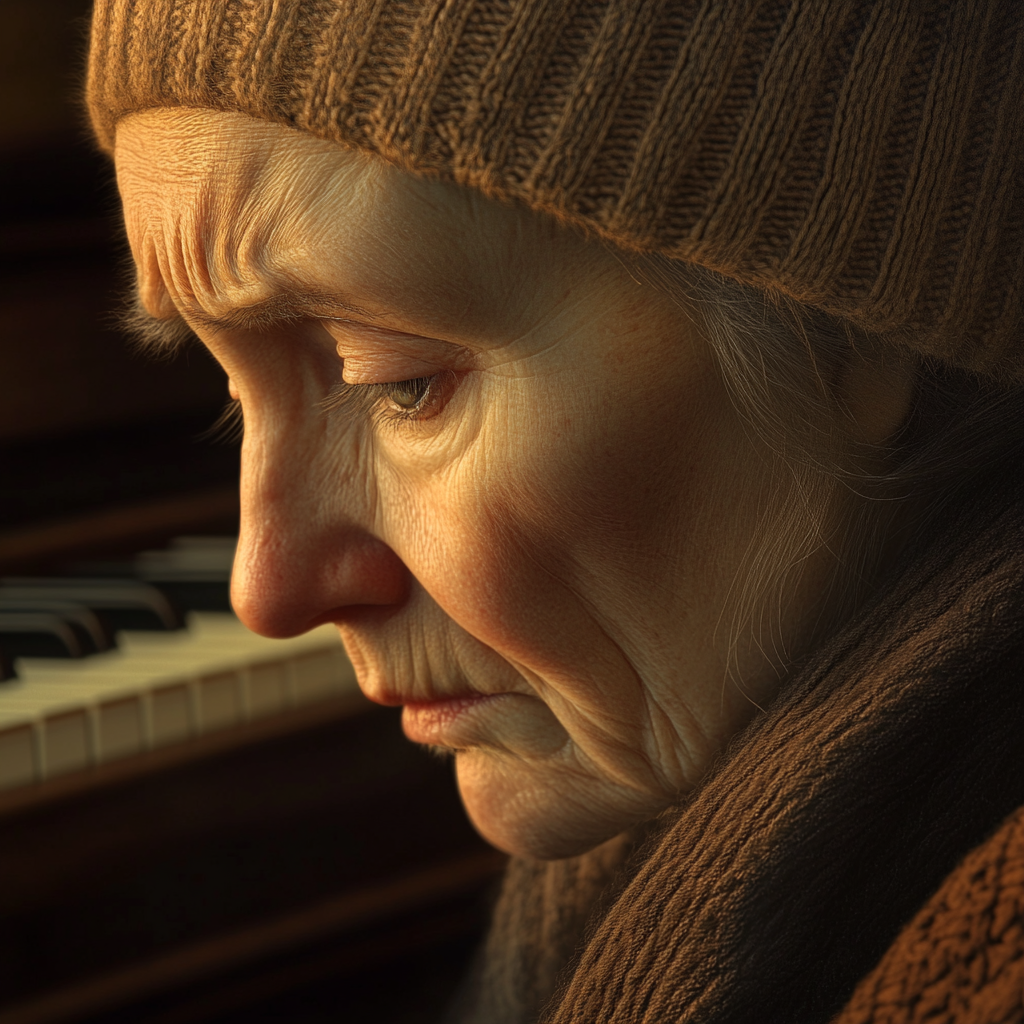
791	870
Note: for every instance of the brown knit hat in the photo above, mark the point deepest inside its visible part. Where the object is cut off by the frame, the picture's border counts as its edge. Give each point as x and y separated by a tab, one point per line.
862	157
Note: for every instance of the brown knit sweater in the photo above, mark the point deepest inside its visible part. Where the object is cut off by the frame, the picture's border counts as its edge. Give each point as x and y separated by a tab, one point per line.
961	960
783	889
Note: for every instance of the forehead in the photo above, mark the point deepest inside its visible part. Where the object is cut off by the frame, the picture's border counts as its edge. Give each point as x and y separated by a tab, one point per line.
225	211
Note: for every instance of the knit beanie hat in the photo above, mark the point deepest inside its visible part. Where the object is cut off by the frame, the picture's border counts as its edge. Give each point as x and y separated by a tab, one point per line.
863	157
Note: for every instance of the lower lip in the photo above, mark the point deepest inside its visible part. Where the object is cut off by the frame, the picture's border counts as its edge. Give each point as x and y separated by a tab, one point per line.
433	722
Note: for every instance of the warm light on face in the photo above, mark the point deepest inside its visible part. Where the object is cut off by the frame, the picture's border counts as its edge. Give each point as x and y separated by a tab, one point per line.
506	470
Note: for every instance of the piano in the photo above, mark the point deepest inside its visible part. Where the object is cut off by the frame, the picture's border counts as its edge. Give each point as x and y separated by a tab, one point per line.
151	688
195	816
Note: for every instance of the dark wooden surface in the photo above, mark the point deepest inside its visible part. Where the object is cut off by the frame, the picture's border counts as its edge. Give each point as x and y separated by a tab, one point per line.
296	861
91	432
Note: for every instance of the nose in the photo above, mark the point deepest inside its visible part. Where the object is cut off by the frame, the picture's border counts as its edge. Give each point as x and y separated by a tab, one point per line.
284	584
303	558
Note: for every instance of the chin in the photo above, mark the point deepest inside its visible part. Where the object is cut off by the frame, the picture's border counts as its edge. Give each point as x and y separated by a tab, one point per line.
536	812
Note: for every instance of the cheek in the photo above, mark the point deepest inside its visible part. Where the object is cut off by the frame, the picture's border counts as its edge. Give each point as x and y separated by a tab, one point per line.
489	576
531	548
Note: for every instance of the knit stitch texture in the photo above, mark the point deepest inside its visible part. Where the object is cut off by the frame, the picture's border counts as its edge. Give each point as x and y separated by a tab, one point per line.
962	957
862	157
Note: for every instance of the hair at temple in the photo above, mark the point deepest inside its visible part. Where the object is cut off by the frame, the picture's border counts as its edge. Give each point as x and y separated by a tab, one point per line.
782	363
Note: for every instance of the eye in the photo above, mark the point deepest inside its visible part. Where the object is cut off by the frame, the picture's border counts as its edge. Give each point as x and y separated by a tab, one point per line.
418	398
408	395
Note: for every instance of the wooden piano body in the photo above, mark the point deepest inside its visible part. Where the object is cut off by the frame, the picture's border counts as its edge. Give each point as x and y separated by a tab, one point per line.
285	854
308	853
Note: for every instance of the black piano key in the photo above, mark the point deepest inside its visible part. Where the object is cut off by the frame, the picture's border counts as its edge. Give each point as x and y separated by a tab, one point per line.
6	664
125	604
188	592
195	572
95	633
197	595
39	635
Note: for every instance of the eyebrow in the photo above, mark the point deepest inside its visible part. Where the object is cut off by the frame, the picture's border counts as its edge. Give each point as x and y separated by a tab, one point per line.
160	335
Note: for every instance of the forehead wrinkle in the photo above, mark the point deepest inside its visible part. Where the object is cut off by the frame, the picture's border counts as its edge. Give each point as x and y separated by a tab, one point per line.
151	287
280	308
206	242
228	293
240	252
210	259
182	274
236	229
146	231
167	266
193	234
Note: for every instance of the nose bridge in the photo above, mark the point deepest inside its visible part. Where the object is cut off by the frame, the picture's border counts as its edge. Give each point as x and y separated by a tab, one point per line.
307	552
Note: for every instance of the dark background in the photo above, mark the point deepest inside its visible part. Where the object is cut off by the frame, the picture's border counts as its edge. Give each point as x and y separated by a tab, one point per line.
340	826
86	425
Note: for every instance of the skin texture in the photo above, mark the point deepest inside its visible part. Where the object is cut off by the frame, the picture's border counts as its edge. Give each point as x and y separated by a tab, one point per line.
557	527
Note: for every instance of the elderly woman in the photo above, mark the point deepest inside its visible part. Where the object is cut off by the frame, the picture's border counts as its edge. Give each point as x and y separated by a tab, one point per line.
636	385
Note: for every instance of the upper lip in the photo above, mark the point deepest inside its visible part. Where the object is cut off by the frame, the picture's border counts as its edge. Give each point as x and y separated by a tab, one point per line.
391	698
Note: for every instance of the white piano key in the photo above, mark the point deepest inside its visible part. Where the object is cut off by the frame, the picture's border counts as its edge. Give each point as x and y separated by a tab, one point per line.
67	742
158	688
267	688
120	727
172	717
18	762
317	674
153	656
220	701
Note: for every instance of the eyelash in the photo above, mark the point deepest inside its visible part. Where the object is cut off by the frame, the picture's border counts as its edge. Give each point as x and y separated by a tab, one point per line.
229	426
352	399
369	399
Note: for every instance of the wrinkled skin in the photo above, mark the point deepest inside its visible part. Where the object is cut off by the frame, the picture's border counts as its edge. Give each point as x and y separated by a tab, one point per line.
555	522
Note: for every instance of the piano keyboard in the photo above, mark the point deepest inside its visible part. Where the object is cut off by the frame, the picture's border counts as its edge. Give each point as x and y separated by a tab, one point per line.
158	688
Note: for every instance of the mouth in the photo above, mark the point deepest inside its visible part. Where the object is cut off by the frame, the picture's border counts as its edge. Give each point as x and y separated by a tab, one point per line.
446	723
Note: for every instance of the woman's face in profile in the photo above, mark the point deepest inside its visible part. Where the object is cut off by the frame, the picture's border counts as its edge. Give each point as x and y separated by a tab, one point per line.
508	471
